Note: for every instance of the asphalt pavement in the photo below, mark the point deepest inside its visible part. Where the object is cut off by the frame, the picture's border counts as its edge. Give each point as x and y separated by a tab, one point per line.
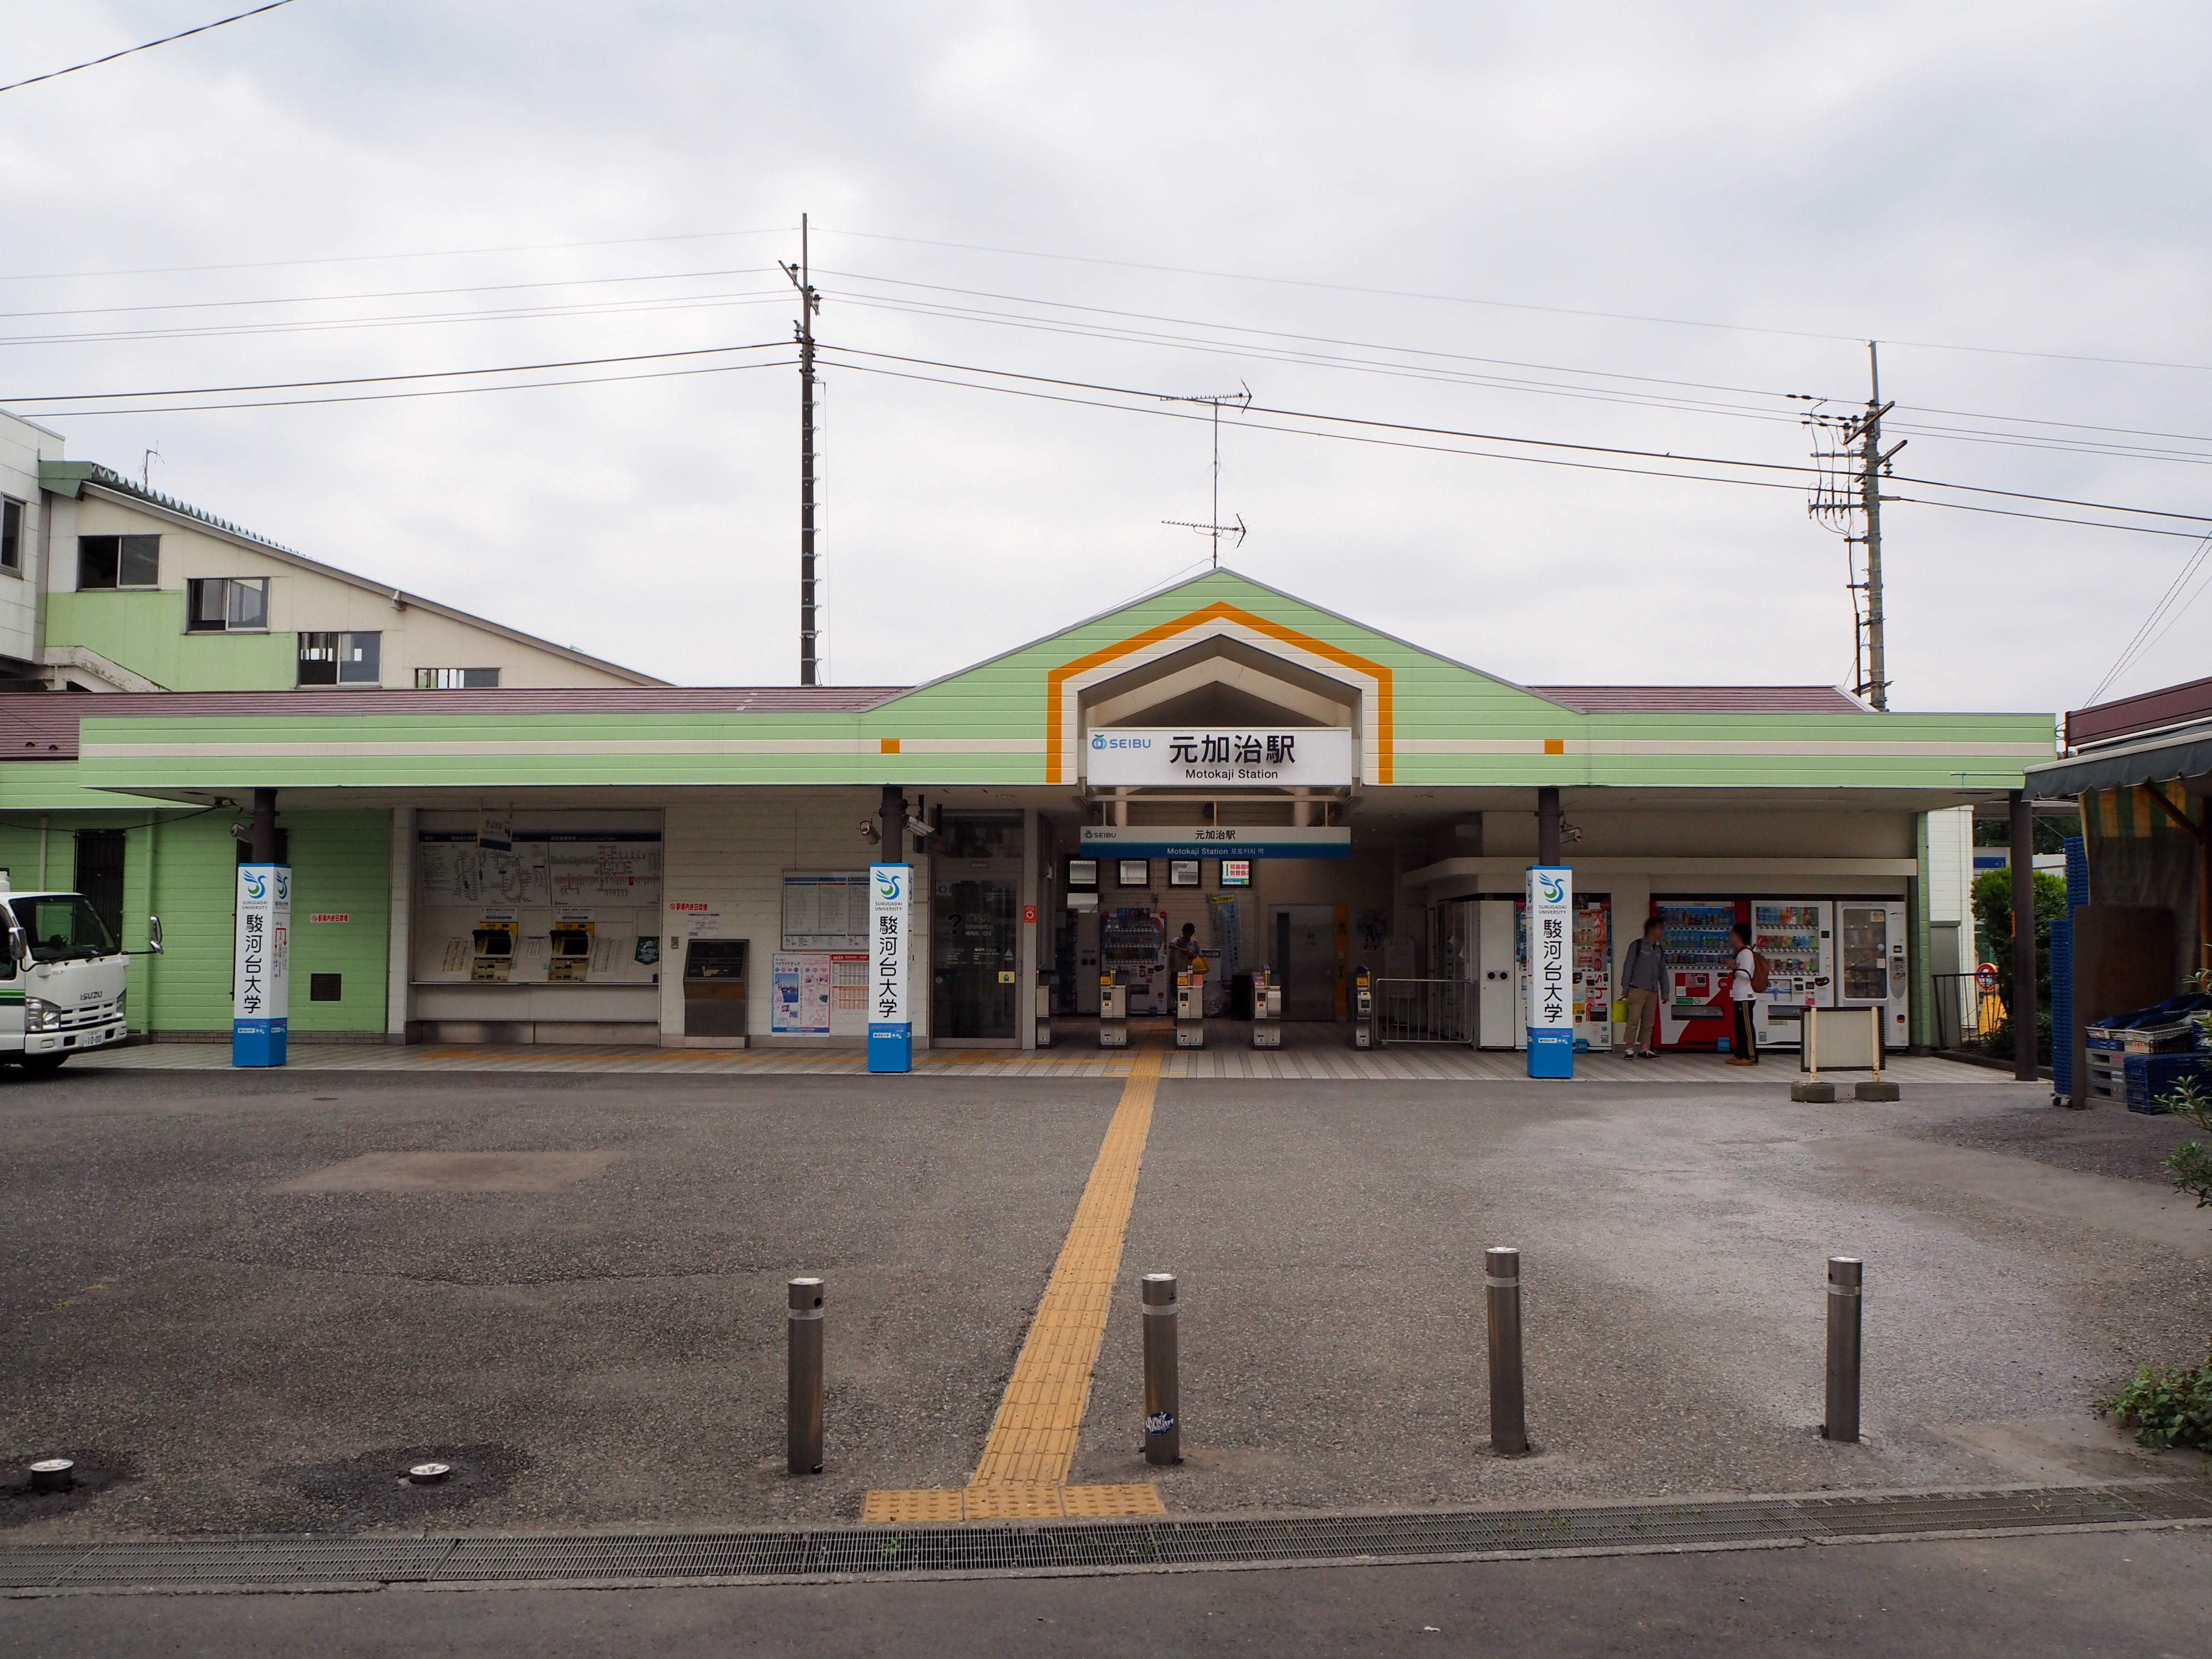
2125	1594
234	1328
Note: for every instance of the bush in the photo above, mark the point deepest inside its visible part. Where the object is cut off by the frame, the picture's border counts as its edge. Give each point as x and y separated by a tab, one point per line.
2166	1406
2191	1163
1993	922
1998	1042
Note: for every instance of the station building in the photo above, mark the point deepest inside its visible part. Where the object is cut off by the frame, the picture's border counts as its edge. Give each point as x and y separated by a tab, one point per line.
639	863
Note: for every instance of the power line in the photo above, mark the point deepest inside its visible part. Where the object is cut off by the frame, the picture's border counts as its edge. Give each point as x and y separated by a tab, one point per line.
434	392
393	294
369	259
1447	449
94	62
1516	305
364	380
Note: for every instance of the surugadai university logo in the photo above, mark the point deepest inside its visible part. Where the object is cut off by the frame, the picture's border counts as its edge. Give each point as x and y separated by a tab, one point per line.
887	887
1551	889
256	886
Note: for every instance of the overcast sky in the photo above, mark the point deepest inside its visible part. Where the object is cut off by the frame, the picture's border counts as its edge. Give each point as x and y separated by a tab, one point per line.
1998	192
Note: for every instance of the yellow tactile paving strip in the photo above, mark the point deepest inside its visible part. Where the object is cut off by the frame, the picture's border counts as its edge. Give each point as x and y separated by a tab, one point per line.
1010	1503
1033	1440
1024	1470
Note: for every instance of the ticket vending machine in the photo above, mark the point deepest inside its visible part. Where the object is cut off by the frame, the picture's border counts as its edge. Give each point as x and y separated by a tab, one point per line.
571	947
493	961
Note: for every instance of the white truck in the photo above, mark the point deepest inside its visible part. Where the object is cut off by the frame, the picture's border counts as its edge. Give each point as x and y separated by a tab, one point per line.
63	987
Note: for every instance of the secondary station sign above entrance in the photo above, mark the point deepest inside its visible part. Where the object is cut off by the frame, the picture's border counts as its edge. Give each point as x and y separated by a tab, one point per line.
1277	758
1208	840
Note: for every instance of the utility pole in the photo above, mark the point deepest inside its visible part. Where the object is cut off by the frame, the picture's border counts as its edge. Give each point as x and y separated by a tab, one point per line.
1847	499
1870	504
1213	526
809	303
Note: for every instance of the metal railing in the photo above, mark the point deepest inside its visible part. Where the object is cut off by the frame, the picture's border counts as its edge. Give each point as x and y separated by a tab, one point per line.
1423	1010
1964	1012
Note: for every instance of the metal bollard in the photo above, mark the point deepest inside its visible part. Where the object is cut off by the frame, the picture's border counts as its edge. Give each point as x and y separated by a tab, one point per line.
1846	1284
1163	1378
1509	1417
803	1382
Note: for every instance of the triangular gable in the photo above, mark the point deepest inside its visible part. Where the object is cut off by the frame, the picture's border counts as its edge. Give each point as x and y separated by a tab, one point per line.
1047	678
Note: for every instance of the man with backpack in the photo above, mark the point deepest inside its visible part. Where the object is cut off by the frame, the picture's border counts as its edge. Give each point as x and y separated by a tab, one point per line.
1748	980
1643	982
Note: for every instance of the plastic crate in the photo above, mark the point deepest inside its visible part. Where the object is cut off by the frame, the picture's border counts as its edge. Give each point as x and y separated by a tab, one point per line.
2149	1076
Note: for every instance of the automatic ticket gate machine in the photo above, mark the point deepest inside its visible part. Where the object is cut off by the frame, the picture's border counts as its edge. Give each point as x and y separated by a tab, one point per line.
1189	1011
1266	1012
1363	1009
1113	1013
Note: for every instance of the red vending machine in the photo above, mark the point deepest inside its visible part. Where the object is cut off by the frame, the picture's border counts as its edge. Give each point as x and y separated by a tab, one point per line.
1693	1005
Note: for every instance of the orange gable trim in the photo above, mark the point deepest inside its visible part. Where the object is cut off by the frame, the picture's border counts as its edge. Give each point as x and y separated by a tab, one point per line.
1056	681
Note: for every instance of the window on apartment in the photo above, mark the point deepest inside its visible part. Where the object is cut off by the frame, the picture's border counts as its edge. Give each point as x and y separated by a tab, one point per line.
455	680
226	604
11	533
118	562
340	659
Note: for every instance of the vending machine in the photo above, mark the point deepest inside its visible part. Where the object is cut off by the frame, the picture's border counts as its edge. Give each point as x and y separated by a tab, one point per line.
1693	1005
1870	963
1797	939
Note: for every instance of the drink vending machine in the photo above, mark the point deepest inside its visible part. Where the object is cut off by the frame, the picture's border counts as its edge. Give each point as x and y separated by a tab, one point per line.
1820	953
1593	959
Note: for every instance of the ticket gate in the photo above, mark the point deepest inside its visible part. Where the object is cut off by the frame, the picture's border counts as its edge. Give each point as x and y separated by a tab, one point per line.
1363	1010
1266	1012
1189	1011
1113	1013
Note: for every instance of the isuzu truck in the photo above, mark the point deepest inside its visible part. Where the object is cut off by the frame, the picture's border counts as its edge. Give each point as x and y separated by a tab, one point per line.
63	985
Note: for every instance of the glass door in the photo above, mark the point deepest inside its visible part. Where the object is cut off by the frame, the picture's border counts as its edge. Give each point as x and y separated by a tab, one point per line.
976	958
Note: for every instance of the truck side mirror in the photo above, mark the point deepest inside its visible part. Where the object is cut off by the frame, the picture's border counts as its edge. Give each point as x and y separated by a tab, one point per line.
19	946
154	935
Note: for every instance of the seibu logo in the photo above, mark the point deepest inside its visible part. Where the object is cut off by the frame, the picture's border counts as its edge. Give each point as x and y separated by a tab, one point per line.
1104	740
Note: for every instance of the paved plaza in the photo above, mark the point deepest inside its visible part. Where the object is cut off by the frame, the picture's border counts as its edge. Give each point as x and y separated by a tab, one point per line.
245	1302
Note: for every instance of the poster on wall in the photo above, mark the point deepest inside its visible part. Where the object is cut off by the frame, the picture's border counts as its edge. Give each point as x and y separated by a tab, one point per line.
800	991
825	910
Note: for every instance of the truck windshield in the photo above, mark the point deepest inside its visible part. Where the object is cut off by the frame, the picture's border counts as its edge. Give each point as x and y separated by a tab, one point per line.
64	926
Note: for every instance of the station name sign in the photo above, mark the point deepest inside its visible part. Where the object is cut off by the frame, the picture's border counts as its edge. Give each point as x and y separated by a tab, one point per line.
1254	757
1207	840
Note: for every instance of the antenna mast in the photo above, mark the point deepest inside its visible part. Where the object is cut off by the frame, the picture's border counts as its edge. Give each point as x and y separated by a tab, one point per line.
1847	499
809	303
1214	527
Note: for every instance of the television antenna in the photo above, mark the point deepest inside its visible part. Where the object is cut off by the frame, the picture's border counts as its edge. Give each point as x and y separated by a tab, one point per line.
1214	528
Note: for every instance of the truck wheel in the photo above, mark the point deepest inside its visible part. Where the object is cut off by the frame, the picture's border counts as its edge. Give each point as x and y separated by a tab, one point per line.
40	1065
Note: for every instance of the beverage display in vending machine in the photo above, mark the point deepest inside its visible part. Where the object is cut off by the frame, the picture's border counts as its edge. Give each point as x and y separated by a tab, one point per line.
1693	1008
1797	939
1870	963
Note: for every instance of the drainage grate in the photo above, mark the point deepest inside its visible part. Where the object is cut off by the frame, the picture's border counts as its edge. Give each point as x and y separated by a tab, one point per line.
1098	1545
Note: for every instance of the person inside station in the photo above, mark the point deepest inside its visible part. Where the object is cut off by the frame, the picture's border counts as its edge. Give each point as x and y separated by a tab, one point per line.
1184	955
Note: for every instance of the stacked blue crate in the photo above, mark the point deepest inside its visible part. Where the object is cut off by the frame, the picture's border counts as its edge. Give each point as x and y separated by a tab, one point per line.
2150	1076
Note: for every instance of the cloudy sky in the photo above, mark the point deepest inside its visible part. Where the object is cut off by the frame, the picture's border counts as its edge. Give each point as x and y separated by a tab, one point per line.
1622	226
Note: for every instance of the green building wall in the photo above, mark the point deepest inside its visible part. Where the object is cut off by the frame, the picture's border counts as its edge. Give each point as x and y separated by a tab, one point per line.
183	869
145	632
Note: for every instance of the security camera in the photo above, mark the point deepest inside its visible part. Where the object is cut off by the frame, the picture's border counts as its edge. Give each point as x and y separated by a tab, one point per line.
240	832
920	830
869	833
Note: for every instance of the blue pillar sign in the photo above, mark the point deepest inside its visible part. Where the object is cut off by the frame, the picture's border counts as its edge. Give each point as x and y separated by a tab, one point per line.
261	982
1550	917
890	923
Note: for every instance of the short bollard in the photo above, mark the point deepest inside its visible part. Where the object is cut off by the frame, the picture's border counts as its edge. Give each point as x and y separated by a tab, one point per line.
803	1392
1162	1380
1845	1285
1509	1417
